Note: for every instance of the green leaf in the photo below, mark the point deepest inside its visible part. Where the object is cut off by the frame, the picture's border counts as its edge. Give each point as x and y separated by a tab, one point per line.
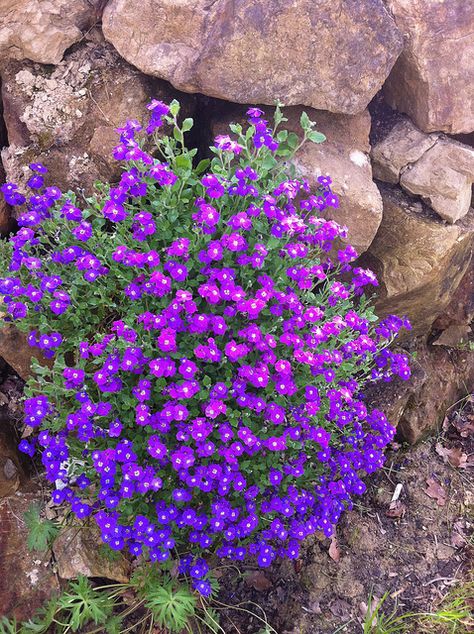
293	141
305	121
202	166
183	161
172	608
42	532
316	137
269	162
187	124
174	107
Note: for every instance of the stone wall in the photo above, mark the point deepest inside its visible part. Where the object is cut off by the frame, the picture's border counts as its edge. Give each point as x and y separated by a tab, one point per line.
389	82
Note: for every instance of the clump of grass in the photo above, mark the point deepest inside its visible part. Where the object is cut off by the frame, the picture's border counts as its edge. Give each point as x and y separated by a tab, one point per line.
454	616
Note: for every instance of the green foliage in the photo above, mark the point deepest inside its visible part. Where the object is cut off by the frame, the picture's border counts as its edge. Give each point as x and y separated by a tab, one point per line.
42	532
171	607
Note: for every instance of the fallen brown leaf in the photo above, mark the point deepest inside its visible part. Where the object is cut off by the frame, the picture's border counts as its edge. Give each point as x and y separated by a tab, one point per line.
334	551
454	456
458	535
463	425
258	581
396	509
435	491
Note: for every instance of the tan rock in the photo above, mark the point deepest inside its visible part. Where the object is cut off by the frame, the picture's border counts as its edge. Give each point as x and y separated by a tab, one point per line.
449	378
327	54
433	79
27	580
460	310
16	351
11	471
440	377
66	118
404	144
419	260
42	30
344	156
443	176
77	552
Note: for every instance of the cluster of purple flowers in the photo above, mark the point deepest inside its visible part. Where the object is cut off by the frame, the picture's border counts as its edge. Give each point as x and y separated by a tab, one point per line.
223	410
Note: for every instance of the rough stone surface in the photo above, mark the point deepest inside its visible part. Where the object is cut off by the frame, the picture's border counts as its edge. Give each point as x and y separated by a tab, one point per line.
417	406
433	78
404	144
41	30
449	376
27	580
419	260
460	310
76	552
11	471
16	351
443	176
65	117
328	54
344	156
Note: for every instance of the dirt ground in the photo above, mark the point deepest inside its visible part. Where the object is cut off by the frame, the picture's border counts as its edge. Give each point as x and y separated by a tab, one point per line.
416	548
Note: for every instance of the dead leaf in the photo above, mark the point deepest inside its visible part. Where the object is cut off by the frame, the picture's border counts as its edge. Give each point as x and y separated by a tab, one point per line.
258	581
396	509
463	425
27	431
454	456
435	491
334	551
297	565
458	535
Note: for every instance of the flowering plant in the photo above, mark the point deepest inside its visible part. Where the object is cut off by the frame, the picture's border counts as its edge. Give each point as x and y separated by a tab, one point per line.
210	342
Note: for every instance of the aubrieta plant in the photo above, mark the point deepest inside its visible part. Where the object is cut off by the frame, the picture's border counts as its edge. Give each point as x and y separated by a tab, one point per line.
210	342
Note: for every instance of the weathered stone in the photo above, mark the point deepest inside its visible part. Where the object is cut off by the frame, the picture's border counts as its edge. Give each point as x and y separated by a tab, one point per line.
404	145
449	377
460	310
344	156
42	30
16	351
419	260
65	117
439	379
11	471
433	78
443	176
76	550
247	51
27	579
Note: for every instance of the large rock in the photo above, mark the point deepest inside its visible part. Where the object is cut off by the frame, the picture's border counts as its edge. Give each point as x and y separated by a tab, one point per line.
76	552
41	30
435	167
328	54
402	146
16	351
440	377
65	117
433	78
449	377
27	578
418	259
460	311
344	156
11	472
443	176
